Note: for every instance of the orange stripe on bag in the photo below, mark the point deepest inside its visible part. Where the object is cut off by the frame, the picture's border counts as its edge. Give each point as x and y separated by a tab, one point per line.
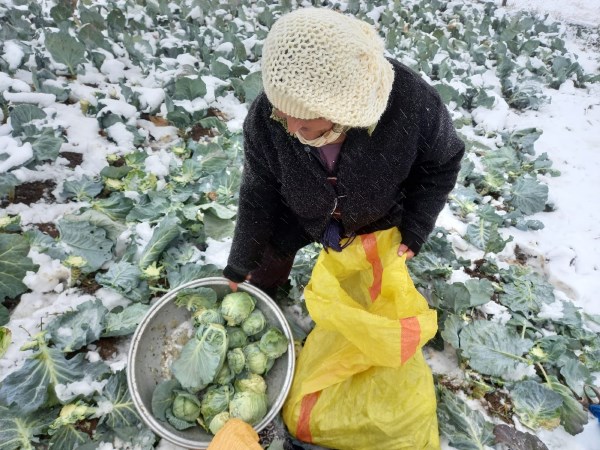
303	428
410	334
369	243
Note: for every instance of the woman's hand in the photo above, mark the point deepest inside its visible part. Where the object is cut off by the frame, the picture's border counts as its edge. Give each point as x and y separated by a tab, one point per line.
233	285
404	250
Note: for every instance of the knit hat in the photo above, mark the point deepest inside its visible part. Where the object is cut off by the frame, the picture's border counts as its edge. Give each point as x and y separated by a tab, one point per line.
321	63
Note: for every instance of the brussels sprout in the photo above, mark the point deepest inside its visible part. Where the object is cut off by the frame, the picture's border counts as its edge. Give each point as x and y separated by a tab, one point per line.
204	316
215	400
236	360
236	336
248	406
256	360
254	323
186	406
236	307
273	343
225	375
251	382
194	299
218	422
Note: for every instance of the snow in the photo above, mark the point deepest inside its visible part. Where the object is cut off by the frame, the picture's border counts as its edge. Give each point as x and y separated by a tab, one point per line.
85	387
36	98
17	154
13	54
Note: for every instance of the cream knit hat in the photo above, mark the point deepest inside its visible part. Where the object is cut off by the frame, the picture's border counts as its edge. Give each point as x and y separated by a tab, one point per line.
321	63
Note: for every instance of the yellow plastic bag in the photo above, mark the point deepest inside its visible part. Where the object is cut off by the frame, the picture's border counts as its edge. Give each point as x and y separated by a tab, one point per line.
361	381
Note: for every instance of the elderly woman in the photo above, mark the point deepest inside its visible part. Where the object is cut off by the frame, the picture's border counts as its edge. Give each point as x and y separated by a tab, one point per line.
342	142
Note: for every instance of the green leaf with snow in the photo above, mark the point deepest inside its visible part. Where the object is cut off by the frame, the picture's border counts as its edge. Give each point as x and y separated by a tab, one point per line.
93	38
486	237
180	275
214	162
528	195
217	228
493	349
121	412
503	160
218	210
65	49
574	373
67	436
28	387
189	88
86	240
463	426
150	207
116	207
22	115
83	189
536	405
123	277
20	431
213	122
480	291
252	86
526	293
8	183
14	264
165	232
75	329
454	297
189	171
46	147
123	323
99	219
116	20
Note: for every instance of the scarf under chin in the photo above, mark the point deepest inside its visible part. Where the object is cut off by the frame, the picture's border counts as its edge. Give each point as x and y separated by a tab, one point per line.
326	138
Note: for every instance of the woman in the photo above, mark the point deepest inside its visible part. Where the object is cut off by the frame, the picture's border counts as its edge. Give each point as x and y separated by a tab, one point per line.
342	142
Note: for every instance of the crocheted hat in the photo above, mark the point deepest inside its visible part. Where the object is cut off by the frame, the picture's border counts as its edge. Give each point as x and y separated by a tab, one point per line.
321	63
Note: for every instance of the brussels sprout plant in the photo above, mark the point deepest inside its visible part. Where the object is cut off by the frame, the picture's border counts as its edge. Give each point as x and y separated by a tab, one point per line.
220	372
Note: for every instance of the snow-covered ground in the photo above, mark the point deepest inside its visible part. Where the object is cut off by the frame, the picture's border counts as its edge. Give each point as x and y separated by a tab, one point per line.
568	248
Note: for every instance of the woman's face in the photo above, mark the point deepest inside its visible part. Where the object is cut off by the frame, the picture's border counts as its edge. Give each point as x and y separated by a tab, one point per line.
308	128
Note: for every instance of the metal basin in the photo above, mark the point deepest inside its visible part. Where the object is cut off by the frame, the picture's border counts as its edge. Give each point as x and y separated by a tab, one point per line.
151	350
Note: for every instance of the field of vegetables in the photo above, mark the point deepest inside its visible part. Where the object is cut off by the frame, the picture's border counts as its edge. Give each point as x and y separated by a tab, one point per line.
120	161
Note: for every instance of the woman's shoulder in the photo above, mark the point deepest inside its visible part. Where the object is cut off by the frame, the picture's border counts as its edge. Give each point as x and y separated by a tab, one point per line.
410	84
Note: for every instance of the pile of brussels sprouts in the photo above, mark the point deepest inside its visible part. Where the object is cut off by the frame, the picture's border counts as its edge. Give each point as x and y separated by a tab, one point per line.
219	373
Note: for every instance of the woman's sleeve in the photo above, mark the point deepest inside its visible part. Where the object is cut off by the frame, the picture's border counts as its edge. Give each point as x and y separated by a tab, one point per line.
432	176
258	203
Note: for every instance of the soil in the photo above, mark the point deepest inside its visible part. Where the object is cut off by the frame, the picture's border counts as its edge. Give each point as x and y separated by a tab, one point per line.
29	193
48	228
107	347
75	159
88	285
500	405
477	273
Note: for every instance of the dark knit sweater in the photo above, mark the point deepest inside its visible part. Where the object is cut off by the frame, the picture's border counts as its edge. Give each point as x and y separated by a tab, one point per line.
400	176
